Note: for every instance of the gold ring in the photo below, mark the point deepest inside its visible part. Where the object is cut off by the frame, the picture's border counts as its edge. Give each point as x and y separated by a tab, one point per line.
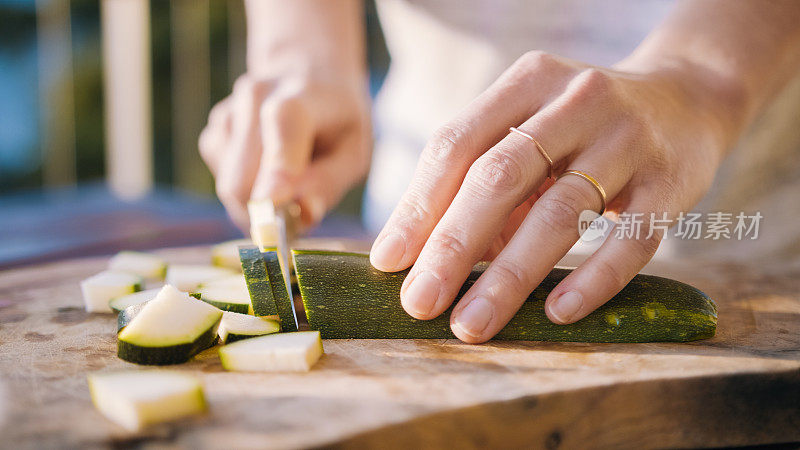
594	182
538	147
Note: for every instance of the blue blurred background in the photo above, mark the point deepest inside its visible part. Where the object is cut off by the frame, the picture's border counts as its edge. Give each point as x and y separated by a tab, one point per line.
69	184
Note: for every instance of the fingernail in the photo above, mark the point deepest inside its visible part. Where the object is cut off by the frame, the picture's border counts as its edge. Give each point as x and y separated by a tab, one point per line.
421	295
566	306
475	317
387	252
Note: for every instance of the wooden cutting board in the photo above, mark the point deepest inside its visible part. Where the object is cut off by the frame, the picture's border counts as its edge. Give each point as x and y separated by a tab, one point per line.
741	387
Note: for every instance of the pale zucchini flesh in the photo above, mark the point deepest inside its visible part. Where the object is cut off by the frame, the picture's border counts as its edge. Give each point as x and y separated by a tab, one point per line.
228	294
146	265
281	352
118	304
226	254
169	329
189	277
235	327
135	399
99	289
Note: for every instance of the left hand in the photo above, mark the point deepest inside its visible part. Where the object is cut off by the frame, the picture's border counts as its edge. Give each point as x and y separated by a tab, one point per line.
651	136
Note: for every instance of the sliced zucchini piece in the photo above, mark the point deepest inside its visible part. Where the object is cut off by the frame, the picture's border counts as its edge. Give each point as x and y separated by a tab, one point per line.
117	304
345	297
227	294
169	329
99	289
126	315
137	398
146	265
189	277
258	285
226	254
235	327
280	352
283	302
263	223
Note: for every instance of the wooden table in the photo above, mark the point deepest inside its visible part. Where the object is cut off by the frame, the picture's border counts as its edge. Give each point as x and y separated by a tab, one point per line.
741	387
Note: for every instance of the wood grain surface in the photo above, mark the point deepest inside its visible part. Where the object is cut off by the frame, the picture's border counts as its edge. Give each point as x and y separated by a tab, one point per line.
740	388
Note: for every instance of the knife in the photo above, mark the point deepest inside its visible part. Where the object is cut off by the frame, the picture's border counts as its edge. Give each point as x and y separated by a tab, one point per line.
286	217
275	226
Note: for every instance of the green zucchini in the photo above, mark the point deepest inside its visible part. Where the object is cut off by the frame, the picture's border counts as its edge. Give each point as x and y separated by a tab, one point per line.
146	265
235	327
280	352
226	254
125	316
345	297
283	302
228	294
258	284
117	304
98	290
169	329
189	277
137	398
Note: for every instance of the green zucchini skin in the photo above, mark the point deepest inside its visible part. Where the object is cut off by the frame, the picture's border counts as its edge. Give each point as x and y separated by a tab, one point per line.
233	337
258	285
226	306
162	356
345	297
282	300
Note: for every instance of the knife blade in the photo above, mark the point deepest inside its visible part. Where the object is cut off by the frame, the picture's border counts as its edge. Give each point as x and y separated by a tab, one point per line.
286	218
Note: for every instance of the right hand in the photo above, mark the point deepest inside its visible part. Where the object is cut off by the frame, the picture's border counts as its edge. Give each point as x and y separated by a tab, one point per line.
287	139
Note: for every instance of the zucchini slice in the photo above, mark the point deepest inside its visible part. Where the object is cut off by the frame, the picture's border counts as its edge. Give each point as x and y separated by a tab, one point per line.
189	277
146	265
283	302
169	329
226	254
99	289
125	316
280	352
263	223
235	327
228	294
137	398
258	285
345	297
118	304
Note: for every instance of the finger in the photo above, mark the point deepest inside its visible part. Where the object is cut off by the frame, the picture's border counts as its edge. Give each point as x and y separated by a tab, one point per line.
215	135
497	183
607	270
444	162
331	175
287	133
546	234
238	168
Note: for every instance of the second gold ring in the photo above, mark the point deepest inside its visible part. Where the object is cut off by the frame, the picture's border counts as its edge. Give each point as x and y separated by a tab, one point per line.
594	183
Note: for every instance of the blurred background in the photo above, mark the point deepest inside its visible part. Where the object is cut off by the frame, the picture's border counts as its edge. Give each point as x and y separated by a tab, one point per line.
101	104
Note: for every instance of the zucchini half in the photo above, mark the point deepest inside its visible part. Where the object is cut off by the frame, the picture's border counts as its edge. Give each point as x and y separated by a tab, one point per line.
345	297
170	329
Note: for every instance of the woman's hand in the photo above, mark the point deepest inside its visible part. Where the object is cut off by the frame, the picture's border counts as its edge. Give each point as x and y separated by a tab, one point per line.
287	139
651	136
296	126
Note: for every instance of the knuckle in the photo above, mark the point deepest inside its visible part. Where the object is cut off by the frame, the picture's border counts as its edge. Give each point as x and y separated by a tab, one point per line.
511	276
446	145
606	270
559	212
414	209
535	59
590	85
204	145
496	173
448	244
